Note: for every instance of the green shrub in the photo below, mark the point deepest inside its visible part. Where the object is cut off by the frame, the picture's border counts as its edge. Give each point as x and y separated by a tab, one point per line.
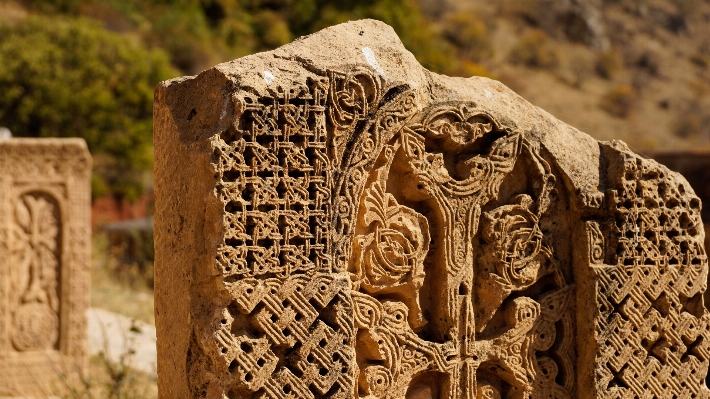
49	6
64	77
701	60
63	74
470	35
619	101
534	50
607	64
272	29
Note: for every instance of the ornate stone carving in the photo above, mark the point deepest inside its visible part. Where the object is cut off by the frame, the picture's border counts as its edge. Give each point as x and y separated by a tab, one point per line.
365	229
44	260
35	298
652	326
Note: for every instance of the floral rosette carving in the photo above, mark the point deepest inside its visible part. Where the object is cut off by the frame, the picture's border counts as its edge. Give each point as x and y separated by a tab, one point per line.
390	257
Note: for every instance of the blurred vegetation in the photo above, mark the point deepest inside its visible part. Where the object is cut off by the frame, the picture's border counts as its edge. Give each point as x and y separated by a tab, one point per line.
534	50
121	287
63	77
607	64
619	101
695	116
88	68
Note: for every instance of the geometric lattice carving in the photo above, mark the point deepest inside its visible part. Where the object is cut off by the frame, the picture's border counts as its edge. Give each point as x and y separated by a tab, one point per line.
273	173
44	262
353	226
649	341
652	329
284	315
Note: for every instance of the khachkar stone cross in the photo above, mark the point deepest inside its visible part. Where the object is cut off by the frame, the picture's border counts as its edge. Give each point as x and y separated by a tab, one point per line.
45	253
335	221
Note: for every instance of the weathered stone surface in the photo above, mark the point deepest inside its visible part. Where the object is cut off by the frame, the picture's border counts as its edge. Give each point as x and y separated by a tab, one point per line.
45	253
335	221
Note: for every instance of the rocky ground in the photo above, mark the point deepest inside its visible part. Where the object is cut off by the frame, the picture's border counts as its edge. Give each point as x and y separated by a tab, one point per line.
122	339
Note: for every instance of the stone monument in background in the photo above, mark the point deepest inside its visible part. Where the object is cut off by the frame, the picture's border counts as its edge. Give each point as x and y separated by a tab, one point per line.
45	254
335	221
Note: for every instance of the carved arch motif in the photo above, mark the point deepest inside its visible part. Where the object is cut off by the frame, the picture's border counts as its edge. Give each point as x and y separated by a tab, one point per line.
455	160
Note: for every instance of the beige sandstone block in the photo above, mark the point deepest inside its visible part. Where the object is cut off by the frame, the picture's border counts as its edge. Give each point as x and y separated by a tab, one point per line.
335	221
45	254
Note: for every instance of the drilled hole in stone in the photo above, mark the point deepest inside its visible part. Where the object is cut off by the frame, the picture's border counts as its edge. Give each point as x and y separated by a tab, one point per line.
463	290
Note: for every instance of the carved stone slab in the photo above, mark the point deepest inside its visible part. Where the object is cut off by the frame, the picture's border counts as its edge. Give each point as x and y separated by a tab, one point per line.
335	221
45	253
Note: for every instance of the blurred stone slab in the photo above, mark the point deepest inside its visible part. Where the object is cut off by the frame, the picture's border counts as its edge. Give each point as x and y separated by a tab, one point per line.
335	221
122	339
45	254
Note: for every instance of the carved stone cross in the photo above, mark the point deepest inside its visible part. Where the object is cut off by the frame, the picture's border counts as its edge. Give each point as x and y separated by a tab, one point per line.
45	255
335	221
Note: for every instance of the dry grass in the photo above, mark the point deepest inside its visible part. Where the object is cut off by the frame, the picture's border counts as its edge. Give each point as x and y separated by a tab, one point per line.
111	380
102	378
105	378
115	288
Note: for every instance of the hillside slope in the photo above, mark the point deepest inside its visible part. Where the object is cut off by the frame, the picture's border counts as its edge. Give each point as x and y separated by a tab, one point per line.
634	70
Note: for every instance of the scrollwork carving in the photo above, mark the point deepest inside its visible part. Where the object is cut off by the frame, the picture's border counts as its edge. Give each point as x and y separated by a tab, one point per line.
595	240
389	255
353	96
